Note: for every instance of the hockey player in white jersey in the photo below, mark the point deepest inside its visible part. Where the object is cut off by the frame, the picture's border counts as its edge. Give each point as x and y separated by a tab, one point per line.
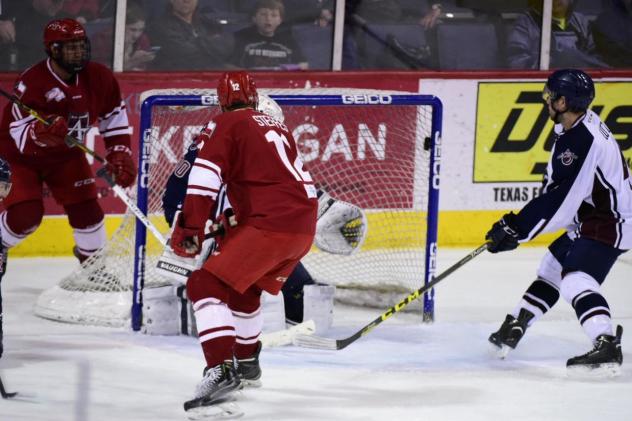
587	190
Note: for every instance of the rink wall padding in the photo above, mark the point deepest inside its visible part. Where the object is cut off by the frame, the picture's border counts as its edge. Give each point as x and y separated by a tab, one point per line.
483	174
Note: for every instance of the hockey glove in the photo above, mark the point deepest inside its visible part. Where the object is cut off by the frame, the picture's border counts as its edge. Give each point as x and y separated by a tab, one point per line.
203	136
51	135
121	165
185	241
503	236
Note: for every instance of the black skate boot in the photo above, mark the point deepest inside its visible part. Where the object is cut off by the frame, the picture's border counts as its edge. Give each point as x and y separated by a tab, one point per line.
214	393
249	370
510	332
606	356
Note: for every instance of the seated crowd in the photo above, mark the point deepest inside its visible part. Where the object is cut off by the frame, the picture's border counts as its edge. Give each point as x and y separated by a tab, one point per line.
298	34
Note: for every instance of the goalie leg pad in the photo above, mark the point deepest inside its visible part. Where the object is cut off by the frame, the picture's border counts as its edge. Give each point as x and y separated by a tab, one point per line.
166	311
318	305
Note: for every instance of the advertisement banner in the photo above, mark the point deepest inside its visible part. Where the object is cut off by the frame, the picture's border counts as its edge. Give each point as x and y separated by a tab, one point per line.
498	137
514	133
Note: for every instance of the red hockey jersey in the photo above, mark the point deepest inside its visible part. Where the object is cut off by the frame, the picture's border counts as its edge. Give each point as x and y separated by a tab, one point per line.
93	96
256	157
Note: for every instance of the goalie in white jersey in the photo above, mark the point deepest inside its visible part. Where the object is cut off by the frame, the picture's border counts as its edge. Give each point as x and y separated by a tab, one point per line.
587	190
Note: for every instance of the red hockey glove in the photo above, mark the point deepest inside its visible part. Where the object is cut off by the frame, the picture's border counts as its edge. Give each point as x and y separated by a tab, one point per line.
121	166
203	136
186	242
224	222
49	135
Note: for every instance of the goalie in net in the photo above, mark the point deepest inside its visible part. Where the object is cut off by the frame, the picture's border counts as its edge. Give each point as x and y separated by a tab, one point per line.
341	229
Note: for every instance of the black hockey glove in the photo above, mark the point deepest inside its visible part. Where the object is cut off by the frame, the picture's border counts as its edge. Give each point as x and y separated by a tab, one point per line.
503	236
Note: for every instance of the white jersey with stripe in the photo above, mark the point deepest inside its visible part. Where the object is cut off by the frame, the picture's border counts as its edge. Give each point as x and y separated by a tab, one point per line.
587	188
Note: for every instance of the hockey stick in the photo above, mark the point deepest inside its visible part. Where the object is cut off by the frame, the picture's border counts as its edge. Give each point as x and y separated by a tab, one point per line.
4	393
336	344
102	172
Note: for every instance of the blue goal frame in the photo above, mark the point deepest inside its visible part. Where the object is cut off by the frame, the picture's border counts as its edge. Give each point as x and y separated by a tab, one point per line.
434	146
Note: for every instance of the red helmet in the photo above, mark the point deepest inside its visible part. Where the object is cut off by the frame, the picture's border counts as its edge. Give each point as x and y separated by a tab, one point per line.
236	88
62	30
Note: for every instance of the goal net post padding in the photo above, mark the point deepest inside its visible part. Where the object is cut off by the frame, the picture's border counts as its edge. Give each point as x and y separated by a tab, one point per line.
378	150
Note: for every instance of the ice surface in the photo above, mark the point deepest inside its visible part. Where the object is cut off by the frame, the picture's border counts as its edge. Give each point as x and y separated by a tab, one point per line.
402	370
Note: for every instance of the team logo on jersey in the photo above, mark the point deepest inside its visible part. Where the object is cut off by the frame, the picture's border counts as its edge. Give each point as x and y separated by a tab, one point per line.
54	94
78	125
20	88
567	157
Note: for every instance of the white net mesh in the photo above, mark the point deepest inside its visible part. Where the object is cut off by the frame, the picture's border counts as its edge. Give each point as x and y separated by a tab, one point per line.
372	156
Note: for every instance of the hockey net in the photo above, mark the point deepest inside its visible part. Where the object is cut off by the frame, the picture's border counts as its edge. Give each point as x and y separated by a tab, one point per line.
377	150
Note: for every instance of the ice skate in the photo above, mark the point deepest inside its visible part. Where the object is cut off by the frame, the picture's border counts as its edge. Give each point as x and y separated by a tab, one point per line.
214	395
604	359
249	370
510	333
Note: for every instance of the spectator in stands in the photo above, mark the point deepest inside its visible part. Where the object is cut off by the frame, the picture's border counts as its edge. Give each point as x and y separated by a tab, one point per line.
8	52
572	43
137	51
307	11
325	16
431	16
266	44
188	40
7	28
27	47
82	10
613	33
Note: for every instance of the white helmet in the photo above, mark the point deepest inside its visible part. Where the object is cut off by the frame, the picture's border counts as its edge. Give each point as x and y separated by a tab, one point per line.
268	106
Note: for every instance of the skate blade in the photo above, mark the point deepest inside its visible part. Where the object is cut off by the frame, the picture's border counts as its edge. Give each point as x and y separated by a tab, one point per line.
247	384
603	371
219	411
499	352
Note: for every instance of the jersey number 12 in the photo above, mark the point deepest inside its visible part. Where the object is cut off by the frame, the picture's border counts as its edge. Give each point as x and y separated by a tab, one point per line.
295	168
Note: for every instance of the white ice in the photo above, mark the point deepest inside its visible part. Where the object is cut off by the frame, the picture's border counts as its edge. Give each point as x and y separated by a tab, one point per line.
402	370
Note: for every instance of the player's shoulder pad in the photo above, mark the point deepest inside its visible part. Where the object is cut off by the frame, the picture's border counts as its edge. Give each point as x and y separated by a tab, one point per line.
29	77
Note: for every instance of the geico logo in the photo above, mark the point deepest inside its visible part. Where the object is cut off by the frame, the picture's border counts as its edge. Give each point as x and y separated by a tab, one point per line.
208	99
367	99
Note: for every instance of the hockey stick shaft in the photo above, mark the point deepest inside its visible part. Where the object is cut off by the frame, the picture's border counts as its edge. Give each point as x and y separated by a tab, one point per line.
74	142
326	343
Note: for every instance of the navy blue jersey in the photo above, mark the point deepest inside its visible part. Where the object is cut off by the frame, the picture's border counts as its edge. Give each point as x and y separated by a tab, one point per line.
177	183
587	188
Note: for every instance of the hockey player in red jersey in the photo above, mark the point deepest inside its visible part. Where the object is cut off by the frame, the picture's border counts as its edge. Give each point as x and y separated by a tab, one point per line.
73	94
274	201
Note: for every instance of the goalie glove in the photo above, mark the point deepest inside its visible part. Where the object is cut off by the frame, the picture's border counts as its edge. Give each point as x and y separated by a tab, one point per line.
341	227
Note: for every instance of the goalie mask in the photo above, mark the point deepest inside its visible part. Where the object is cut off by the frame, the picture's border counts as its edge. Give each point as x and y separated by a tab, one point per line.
66	43
269	107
